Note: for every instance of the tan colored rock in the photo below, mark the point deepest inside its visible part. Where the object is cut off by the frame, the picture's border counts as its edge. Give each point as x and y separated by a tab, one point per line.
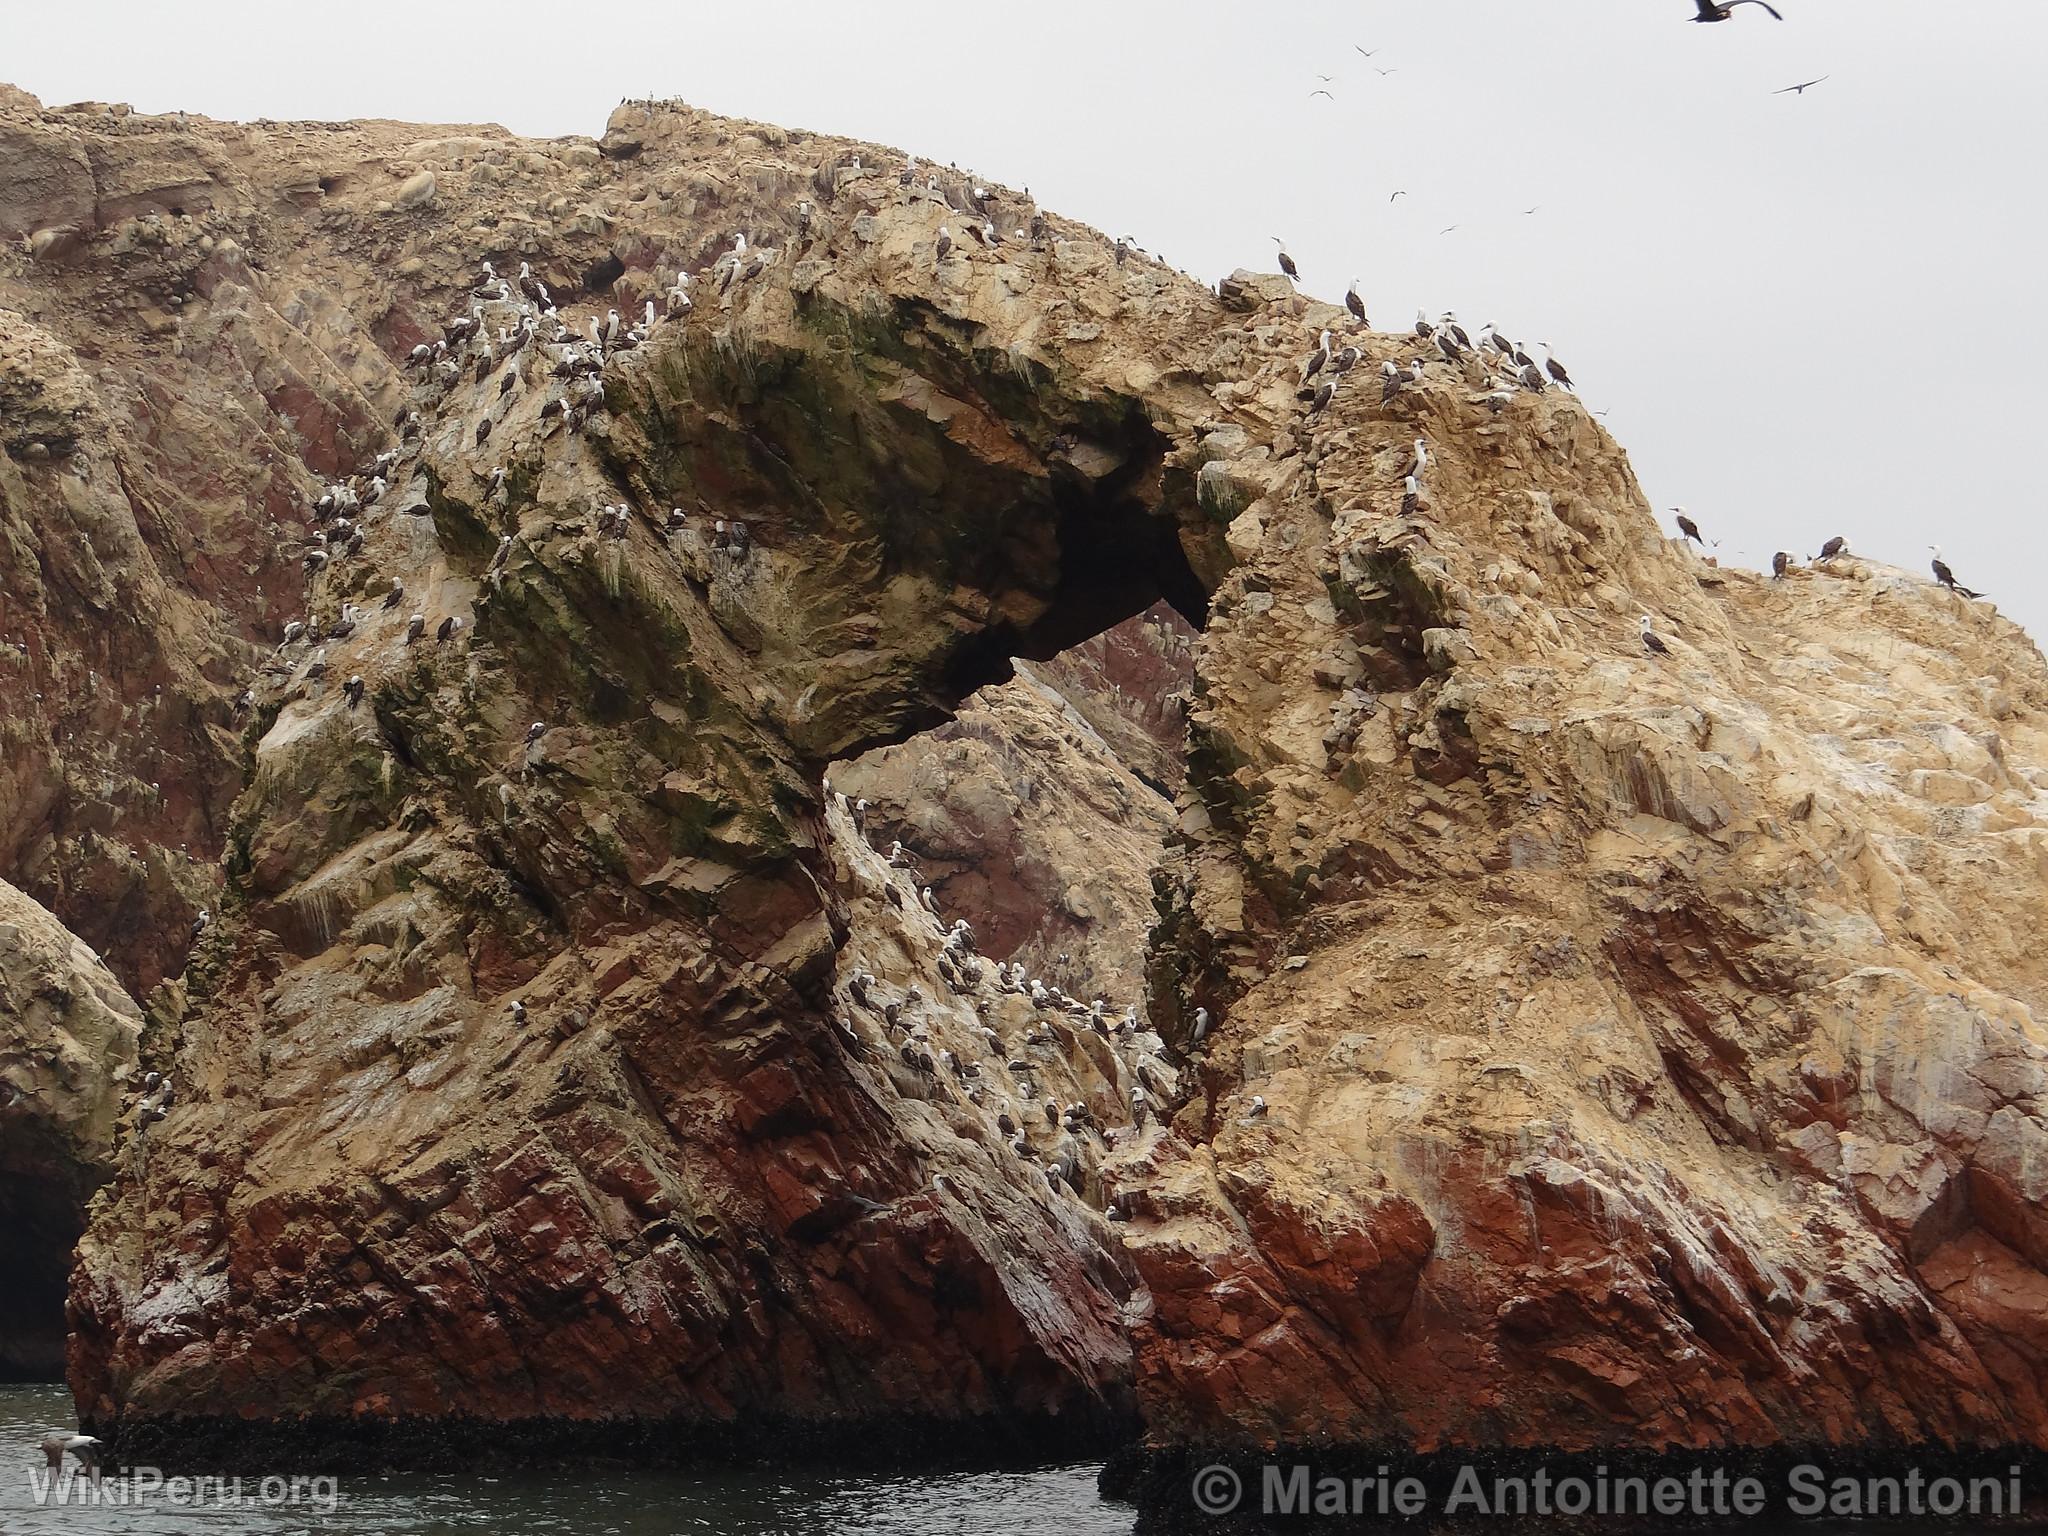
1648	1045
416	191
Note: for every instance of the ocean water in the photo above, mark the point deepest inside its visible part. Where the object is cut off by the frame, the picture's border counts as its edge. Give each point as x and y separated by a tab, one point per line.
606	1503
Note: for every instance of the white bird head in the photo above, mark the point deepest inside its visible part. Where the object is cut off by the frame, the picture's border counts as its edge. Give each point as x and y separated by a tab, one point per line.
1645	623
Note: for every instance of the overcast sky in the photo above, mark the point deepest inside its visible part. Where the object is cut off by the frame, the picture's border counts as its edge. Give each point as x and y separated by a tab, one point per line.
1804	315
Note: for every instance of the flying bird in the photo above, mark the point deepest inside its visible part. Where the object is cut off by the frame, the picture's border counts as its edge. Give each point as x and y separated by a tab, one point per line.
1721	10
1312	95
1368	52
1799	90
1451	230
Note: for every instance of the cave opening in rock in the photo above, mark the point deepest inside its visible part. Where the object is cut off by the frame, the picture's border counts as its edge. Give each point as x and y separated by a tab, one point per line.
1039	811
42	1223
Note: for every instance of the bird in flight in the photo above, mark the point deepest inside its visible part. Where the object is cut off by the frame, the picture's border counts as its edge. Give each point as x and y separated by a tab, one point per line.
1527	211
1397	194
1368	52
1378	71
1721	10
1800	89
1312	95
1447	231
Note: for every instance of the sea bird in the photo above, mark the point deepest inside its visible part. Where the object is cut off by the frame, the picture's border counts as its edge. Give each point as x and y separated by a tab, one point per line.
1721	10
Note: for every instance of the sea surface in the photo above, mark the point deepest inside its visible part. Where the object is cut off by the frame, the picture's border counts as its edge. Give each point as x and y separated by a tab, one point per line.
735	1503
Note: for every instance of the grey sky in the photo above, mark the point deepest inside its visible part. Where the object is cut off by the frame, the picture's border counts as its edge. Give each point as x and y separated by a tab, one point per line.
1804	315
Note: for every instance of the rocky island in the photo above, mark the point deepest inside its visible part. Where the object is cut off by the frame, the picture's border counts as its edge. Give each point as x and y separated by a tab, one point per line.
513	747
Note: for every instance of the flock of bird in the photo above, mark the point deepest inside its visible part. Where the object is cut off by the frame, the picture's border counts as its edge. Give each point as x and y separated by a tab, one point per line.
1006	1075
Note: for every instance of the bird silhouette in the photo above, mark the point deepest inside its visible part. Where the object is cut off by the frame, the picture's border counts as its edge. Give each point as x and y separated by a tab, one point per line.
1721	10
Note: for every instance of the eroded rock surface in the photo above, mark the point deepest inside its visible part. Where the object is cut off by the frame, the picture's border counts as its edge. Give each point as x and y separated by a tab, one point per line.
1647	1044
67	1047
1041	811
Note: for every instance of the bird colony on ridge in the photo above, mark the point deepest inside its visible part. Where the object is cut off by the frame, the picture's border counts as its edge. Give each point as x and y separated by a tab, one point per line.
512	330
511	339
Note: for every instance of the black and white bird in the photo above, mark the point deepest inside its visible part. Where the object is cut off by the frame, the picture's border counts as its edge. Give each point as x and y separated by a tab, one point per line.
945	245
1286	261
1721	10
1835	546
353	691
450	628
1324	396
1780	564
1651	642
1946	576
1201	1029
1554	368
415	627
1317	359
1354	303
1688	528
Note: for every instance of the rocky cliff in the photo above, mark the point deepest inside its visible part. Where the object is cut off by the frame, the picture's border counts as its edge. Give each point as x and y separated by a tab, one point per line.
1605	1046
68	1038
1044	806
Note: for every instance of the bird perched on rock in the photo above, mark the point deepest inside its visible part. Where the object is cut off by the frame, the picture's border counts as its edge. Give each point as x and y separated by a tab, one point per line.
1286	261
1317	358
1780	564
1835	546
1946	576
944	248
353	690
1201	1029
1354	303
1688	528
1651	642
450	628
534	732
1257	1110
